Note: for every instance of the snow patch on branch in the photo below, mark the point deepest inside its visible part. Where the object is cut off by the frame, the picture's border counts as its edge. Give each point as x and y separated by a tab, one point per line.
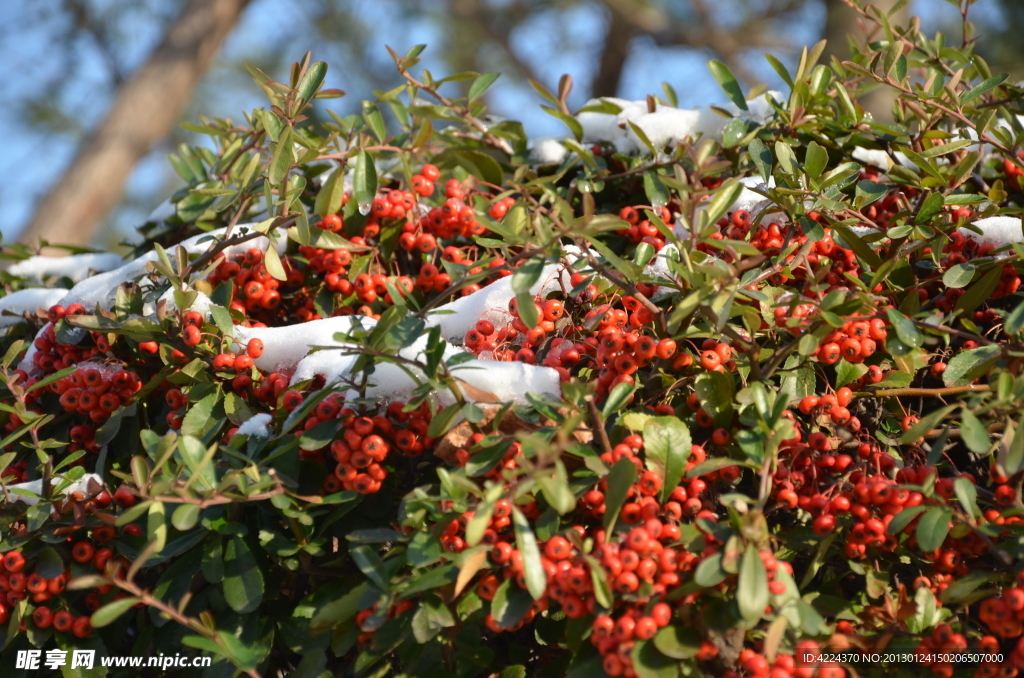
666	125
101	289
35	487
77	266
996	231
257	425
27	301
285	347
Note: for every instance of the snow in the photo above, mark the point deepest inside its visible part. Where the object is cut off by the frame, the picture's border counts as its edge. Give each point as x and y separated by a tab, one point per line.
997	231
27	301
257	425
77	266
547	151
666	125
509	381
201	304
101	289
883	160
36	487
491	303
285	347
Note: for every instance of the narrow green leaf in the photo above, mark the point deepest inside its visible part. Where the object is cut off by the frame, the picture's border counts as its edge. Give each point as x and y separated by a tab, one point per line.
364	179
481	85
752	587
905	328
533	570
311	80
243	579
967	366
932	528
620	480
984	87
973	433
762	158
109	613
728	82
816	160
281	161
328	200
959	275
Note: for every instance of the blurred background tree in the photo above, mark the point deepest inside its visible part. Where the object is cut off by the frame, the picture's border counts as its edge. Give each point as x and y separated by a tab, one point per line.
90	80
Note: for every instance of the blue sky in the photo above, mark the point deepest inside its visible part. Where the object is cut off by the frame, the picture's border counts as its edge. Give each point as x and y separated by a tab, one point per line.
553	44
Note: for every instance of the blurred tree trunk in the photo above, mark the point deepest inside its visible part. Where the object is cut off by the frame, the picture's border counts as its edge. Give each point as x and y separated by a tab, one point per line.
841	21
144	111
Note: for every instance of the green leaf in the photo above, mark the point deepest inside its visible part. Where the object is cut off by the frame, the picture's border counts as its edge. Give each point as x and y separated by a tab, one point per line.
442	421
815	160
905	328
980	292
185	517
761	157
728	82
364	179
967	493
752	587
48	563
272	260
510	604
527	310
716	391
572	123
374	120
904	518
620	481
328	200
311	80
678	642
243	579
617	398
108	614
642	136
481	85
527	275
369	563
156	525
973	433
847	372
926	424
933	528
281	161
533	570
868	192
655	189
667	448
724	198
962	587
985	86
1015	321
198	420
431	617
784	154
780	68
967	366
648	662
710	572
931	206
959	275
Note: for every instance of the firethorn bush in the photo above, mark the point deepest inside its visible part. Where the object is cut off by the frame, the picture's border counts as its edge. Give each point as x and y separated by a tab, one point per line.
730	392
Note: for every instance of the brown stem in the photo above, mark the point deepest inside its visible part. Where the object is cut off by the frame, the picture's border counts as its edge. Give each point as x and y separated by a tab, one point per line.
595	416
931	392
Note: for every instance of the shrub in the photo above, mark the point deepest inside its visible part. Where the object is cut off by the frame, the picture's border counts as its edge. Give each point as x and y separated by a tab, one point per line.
703	392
